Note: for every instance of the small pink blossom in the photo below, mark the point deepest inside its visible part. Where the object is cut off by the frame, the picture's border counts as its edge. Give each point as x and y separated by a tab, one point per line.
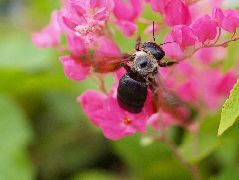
172	50
76	45
85	19
151	28
226	83
217	15
209	80
177	12
231	20
90	31
127	10
50	36
203	7
187	69
128	28
73	69
161	120
159	5
183	35
210	55
115	122
106	47
204	28
189	90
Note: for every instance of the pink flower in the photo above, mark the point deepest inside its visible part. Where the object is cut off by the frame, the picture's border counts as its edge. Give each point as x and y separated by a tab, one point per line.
204	7
115	122
50	35
149	29
161	120
183	35
226	83
76	45
177	13
127	27
172	50
73	69
210	55
217	15
204	28
159	5
209	80
231	20
127	10
85	19
106	47
228	20
186	69
189	90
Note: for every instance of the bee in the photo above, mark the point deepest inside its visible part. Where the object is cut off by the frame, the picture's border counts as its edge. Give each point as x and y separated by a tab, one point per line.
141	73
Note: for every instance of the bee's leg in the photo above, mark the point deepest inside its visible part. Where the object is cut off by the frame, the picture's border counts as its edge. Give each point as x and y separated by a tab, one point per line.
155	98
155	101
166	64
127	68
138	43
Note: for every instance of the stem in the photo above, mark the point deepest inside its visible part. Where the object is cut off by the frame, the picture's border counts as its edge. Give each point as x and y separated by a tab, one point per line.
224	44
219	34
193	169
101	84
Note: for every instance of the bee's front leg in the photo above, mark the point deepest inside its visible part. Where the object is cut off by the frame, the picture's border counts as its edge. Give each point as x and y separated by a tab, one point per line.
138	43
166	64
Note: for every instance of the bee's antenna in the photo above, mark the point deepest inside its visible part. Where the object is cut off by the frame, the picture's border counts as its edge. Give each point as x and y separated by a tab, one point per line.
167	43
153	32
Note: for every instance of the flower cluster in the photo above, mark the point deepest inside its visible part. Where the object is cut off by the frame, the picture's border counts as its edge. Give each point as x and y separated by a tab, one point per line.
197	41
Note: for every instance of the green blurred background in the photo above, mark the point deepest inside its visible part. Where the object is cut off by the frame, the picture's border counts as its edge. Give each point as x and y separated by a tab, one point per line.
45	135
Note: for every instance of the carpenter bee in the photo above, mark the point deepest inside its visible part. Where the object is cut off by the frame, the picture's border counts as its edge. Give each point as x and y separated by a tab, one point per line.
142	70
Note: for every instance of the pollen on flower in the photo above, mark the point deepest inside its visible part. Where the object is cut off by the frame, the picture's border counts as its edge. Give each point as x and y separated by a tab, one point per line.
127	120
92	28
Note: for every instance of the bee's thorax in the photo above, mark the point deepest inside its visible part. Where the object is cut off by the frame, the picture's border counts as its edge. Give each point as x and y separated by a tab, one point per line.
144	63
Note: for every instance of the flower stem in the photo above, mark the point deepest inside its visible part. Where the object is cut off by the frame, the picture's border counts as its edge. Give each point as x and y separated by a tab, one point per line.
102	84
218	37
192	168
224	44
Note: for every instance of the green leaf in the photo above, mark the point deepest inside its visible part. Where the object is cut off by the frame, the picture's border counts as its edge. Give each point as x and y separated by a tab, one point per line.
15	134
230	110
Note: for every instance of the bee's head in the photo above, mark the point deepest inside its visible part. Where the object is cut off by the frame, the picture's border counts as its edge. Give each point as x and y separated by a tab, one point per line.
154	49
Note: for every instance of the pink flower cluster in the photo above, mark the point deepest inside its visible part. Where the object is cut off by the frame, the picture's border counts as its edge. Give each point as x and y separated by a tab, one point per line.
201	33
195	42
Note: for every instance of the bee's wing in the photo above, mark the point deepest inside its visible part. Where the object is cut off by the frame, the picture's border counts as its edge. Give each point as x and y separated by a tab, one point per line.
168	97
104	64
169	102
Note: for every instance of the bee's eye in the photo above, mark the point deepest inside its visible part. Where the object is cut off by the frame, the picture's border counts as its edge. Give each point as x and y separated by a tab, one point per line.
143	63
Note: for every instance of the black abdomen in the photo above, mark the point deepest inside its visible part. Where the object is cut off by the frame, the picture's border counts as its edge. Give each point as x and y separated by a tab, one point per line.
132	93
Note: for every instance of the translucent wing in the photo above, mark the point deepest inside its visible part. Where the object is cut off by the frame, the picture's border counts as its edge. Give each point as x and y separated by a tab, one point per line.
104	64
169	102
